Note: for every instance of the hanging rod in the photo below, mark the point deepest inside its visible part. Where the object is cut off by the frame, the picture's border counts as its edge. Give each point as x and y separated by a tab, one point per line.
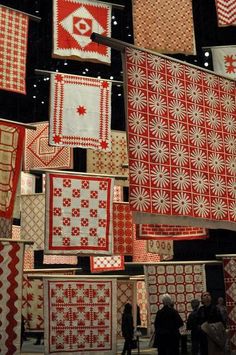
212	47
31	17
174	262
78	276
41	171
19	124
37	271
2	240
44	72
115	6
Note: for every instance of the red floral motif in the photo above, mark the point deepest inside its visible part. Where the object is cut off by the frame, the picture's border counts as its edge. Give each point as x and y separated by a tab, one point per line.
76	193
102	204
101	242
66	221
57	191
75	212
93	194
57	139
67	182
57	211
93	213
81	110
75	231
84	222
57	230
105	84
93	232
66	241
84	241
85	184
103	185
66	202
59	78
102	222
104	145
84	203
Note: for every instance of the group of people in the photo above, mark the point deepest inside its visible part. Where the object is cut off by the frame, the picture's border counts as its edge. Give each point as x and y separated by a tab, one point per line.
207	323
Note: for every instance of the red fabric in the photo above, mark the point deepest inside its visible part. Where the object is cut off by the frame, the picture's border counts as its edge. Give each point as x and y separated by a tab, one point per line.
106	263
13	50
74	23
181	136
122	229
229	264
142	302
155	231
140	253
11	149
226	12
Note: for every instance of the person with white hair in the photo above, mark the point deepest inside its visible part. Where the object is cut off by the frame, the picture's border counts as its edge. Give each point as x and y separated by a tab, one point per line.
167	324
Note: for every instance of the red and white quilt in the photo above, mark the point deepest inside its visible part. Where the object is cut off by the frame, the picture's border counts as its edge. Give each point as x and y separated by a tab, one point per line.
123	229
126	293
73	24
162	232
106	263
224	60
80	113
118	193
78	214
229	264
161	247
11	149
182	138
142	302
141	254
39	154
28	182
13	49
11	270
181	282
226	12
80	316
60	259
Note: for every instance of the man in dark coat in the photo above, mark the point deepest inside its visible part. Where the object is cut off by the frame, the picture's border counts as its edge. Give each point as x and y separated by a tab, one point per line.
127	327
192	324
167	324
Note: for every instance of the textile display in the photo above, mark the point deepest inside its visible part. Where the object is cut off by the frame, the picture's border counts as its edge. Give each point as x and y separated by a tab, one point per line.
60	259
182	282
5	227
126	293
28	182
163	232
123	229
29	258
142	302
118	193
161	247
110	162
107	263
11	139
32	303
80	316
140	253
224	60
33	219
11	269
229	264
39	154
16	232
13	49
164	26
181	143
226	12
80	114
73	24
78	214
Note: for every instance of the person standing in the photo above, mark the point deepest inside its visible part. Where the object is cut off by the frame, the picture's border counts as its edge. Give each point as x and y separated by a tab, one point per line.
127	328
223	310
167	324
192	324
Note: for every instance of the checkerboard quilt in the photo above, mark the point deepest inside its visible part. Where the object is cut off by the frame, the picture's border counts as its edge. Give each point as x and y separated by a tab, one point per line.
182	138
123	229
80	316
181	282
106	263
73	24
110	162
80	112
39	154
229	264
126	293
78	214
13	49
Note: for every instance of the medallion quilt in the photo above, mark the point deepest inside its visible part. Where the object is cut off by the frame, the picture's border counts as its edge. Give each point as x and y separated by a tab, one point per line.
182	136
80	316
78	214
13	49
73	24
11	270
80	113
38	154
181	282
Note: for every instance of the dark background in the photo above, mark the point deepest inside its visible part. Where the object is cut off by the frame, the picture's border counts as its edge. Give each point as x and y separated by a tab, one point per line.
34	106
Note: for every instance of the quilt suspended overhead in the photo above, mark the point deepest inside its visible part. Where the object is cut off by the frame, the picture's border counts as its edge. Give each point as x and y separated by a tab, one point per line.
182	141
226	12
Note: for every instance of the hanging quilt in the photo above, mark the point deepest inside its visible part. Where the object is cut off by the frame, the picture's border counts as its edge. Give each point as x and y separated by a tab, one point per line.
60	259
161	247
73	24
28	182
106	263
78	214
39	154
182	138
80	316
164	26
118	193
226	12
13	49
123	229
11	145
5	227
142	302
140	253
229	264
32	304
224	60
29	252
162	232
11	269
110	162
126	293
33	219
80	113
181	282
